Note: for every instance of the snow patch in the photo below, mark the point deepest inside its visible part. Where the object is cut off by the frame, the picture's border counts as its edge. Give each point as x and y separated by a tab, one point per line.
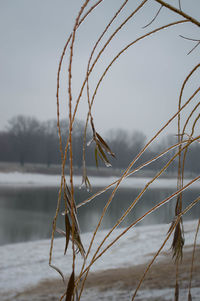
26	264
41	180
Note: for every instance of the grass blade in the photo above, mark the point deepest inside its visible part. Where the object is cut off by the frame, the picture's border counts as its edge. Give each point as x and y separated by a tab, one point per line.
67	230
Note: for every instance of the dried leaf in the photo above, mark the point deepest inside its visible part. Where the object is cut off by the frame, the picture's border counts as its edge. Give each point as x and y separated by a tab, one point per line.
100	155
67	198
57	270
189	296
176	295
178	243
77	240
105	145
67	229
105	159
70	288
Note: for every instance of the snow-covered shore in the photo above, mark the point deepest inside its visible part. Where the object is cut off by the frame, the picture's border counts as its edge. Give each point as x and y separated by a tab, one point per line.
24	265
41	180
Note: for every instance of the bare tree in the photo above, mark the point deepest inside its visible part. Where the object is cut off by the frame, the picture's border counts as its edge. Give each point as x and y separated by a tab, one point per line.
24	131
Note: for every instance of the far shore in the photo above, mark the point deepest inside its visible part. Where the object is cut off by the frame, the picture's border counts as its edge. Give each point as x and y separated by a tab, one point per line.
55	169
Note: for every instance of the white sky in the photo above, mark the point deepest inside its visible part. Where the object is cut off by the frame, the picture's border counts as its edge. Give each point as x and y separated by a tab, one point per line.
141	90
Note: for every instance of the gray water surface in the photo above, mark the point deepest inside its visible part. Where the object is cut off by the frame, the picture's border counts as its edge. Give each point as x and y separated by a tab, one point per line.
27	213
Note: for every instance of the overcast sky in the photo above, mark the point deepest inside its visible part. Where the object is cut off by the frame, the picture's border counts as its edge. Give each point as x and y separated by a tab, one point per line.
141	90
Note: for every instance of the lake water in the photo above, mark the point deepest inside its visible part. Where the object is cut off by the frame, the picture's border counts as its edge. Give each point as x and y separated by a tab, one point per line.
26	213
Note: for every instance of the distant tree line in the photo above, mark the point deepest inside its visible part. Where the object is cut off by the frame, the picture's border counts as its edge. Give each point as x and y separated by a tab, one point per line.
27	140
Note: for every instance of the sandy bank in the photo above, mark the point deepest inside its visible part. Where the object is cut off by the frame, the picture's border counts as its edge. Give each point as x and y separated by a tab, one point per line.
118	284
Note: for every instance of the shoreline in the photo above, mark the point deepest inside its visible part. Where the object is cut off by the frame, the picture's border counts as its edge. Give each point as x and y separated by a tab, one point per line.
36	180
161	277
55	169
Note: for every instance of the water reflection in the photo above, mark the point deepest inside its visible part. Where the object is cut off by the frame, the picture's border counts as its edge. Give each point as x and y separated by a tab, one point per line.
27	213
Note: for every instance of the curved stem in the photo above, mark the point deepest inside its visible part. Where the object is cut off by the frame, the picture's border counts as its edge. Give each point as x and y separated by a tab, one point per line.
131	173
178	218
179	12
140	219
193	254
126	213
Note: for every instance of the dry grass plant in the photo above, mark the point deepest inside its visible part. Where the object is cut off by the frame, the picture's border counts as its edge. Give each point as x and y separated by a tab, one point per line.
186	138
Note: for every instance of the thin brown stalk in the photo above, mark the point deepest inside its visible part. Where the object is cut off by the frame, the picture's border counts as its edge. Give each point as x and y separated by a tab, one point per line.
94	63
185	152
146	186
141	218
112	36
54	226
178	207
154	18
179	12
70	204
177	220
63	159
70	136
180	137
109	66
181	93
59	131
189	39
188	119
128	46
90	10
127	211
197	44
70	129
130	173
59	71
58	81
154	258
193	256
124	175
136	158
88	73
